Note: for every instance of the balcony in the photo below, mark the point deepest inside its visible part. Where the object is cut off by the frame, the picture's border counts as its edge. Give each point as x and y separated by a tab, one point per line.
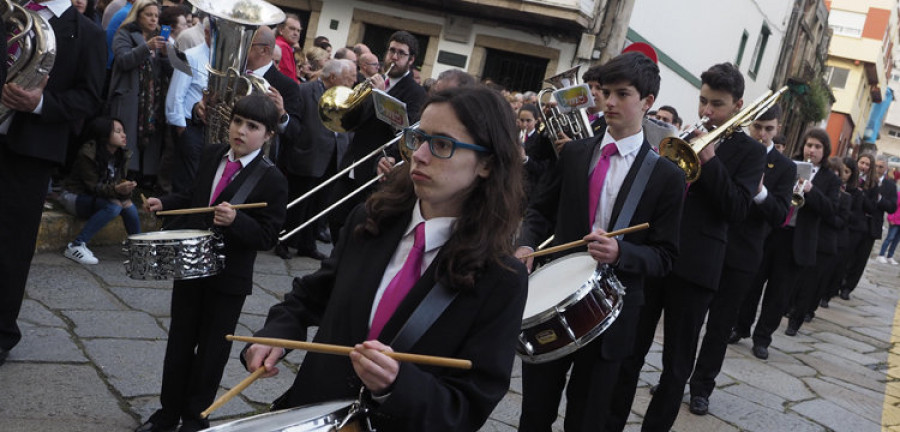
555	16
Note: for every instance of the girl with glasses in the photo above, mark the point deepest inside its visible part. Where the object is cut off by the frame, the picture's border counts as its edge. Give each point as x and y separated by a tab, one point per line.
447	217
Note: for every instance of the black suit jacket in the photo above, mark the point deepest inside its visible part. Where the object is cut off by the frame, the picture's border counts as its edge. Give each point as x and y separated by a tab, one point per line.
887	203
252	230
722	195
481	324
290	96
821	203
373	133
560	207
745	239
312	145
72	93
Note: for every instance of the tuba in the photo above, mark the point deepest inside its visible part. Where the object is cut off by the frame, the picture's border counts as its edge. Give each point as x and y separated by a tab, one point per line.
232	24
32	48
574	124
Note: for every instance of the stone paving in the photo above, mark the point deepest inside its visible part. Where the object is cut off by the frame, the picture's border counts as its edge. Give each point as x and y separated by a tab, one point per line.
92	353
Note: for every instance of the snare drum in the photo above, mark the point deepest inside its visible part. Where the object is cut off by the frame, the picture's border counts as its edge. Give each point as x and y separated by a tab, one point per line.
175	254
324	417
571	301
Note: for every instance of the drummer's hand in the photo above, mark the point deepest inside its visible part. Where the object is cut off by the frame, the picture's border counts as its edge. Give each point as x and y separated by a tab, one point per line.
385	165
153	205
258	355
522	251
224	214
603	249
376	370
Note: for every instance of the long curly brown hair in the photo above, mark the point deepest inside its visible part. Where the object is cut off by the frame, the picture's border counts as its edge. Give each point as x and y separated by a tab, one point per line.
485	230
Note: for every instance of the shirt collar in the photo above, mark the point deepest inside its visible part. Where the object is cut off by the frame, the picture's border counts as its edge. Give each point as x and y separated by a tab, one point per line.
58	7
769	147
262	70
244	160
437	230
627	145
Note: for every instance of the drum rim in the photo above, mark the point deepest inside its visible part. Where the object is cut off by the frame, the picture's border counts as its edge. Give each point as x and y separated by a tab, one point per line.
574	297
576	344
344	406
199	233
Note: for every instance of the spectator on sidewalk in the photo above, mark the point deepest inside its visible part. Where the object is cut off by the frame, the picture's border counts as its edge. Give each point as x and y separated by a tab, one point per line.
96	188
893	237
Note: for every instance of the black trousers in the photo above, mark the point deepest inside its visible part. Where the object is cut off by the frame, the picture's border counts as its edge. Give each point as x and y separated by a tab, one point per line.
778	273
860	251
723	313
24	183
589	392
835	270
188	149
685	305
196	352
808	291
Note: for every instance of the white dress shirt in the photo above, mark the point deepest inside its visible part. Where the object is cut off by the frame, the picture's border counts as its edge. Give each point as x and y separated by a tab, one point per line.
184	90
437	232
619	164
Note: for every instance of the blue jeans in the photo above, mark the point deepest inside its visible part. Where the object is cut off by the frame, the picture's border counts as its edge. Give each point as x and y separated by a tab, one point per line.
893	237
101	211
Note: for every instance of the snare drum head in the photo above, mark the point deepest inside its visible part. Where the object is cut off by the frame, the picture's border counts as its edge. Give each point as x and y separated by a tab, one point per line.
554	282
310	418
169	235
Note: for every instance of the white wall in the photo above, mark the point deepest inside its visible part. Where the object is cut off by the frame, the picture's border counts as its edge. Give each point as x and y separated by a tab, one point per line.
700	33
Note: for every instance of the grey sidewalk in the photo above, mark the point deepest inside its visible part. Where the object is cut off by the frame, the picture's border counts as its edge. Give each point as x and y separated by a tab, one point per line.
91	358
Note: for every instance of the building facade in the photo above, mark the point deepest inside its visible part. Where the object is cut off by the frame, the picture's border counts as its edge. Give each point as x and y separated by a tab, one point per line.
860	59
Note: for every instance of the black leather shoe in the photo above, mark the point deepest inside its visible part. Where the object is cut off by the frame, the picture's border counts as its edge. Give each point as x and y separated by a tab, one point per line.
760	352
314	254
4	353
823	303
153	427
193	425
793	326
699	405
845	294
653	388
809	317
282	250
735	337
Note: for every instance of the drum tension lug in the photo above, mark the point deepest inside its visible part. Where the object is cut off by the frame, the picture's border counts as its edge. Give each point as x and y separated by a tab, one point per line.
562	318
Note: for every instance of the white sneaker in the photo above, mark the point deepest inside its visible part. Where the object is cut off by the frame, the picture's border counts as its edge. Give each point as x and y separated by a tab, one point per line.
881	259
80	253
892	261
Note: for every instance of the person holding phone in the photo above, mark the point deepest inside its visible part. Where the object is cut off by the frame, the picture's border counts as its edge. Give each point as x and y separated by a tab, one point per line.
140	76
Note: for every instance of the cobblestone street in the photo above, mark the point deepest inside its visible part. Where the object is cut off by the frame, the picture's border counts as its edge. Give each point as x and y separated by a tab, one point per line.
92	353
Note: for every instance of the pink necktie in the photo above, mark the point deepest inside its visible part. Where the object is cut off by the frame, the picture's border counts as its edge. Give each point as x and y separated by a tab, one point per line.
387	83
400	284
595	187
230	169
35	6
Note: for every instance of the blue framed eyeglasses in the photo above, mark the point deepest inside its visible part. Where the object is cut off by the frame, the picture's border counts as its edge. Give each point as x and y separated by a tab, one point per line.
440	146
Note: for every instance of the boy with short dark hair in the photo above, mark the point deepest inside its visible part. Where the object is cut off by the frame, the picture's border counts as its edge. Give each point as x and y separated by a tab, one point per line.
584	198
722	195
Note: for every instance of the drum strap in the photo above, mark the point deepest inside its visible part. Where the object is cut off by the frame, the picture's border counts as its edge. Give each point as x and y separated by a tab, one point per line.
434	304
637	190
241	195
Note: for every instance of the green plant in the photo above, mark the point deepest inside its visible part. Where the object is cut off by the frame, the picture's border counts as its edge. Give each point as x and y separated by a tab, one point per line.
814	101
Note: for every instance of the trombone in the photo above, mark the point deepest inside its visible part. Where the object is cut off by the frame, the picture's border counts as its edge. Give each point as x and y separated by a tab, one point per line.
685	154
379	151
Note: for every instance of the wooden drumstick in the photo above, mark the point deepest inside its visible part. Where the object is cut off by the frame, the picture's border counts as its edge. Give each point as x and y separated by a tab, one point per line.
233	392
345	350
577	243
208	209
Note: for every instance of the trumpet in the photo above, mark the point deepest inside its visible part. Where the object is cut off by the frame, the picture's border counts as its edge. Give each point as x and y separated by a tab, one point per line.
339	105
797	195
685	154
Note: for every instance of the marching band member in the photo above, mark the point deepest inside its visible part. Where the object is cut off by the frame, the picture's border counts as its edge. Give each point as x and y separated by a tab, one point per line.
743	254
205	309
791	248
722	195
581	199
442	222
